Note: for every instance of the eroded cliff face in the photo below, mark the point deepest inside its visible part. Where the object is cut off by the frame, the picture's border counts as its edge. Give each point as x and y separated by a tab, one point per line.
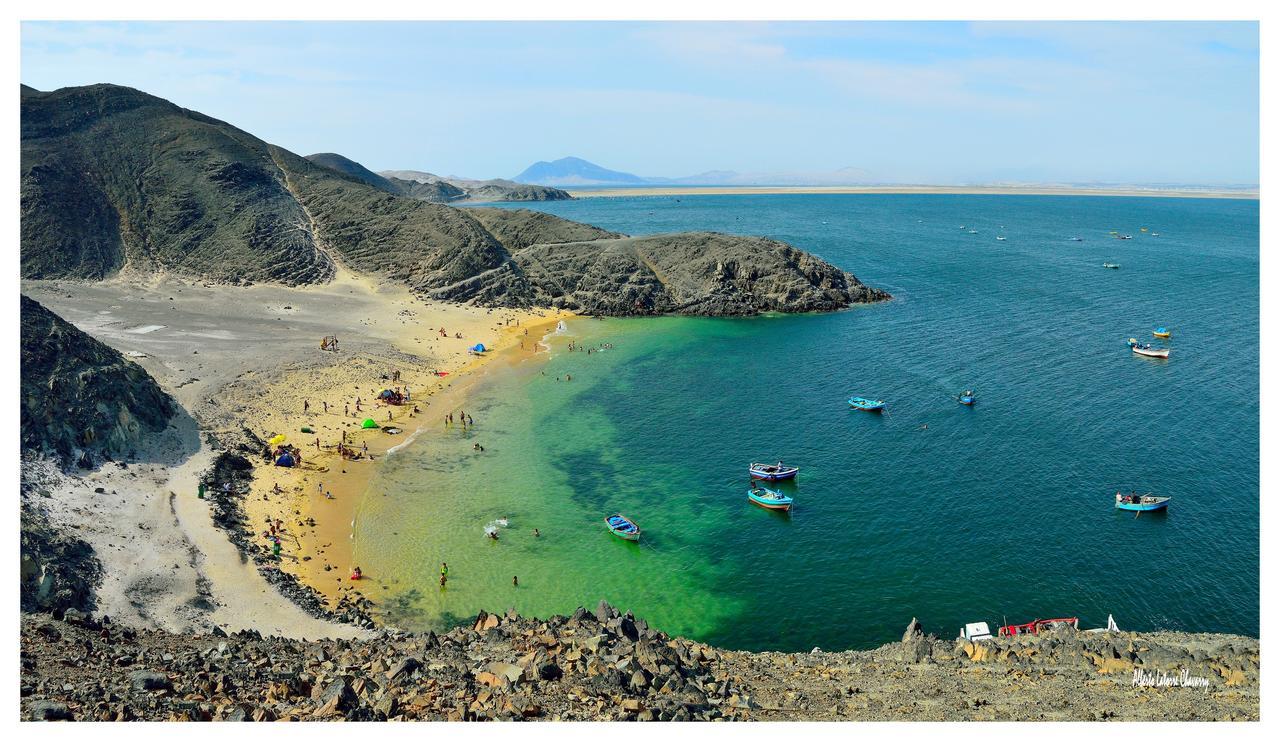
81	400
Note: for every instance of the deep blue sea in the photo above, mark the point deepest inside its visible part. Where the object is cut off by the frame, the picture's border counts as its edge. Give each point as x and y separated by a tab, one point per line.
1002	511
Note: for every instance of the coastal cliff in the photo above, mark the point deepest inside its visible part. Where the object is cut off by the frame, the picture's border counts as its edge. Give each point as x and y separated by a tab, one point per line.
115	181
606	665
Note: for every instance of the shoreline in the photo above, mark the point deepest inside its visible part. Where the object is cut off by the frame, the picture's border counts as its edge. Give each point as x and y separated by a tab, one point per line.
323	558
608	192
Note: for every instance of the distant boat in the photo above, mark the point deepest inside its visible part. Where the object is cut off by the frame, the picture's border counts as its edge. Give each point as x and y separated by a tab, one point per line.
1141	503
967	397
622	527
767	498
1143	229
1124	237
1161	332
1145	349
1111	265
1000	238
870	405
973	231
773	472
1077	239
1155	234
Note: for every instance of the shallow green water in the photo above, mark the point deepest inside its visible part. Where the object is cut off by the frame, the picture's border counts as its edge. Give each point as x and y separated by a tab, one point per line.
1000	510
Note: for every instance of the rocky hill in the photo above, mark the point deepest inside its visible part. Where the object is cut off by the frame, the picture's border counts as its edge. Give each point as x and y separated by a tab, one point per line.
117	180
474	190
350	167
602	665
575	171
82	400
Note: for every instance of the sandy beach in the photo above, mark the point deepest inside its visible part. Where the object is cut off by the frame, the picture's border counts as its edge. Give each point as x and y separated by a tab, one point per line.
961	190
247	360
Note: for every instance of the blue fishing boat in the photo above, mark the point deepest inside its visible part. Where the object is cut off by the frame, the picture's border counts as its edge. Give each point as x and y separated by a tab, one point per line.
967	397
767	498
623	527
1141	503
773	472
870	405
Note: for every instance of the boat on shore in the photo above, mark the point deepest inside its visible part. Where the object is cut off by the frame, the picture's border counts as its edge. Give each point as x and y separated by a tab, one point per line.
1145	349
769	499
1134	502
870	405
967	397
1038	625
773	472
1162	332
623	527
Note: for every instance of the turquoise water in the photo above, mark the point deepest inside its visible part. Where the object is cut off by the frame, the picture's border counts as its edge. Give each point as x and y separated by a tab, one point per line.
935	510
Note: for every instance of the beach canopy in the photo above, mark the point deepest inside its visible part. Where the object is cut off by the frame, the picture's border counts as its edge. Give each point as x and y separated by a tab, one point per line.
368	423
386	394
284	460
478	347
277	439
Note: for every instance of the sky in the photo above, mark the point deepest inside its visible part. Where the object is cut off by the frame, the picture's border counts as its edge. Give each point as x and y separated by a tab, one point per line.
910	102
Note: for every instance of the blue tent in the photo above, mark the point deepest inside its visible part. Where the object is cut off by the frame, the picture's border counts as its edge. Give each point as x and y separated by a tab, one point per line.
284	460
478	347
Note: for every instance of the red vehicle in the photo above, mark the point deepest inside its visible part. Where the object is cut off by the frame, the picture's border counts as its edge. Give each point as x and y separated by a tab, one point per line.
1037	625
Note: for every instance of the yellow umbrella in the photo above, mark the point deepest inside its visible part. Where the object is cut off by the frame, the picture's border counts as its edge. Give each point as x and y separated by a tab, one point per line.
277	440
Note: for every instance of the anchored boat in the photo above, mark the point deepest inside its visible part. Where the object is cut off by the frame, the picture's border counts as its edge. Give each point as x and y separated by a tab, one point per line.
773	472
1038	625
767	498
623	527
967	397
1141	503
1145	349
870	405
1161	332
1113	266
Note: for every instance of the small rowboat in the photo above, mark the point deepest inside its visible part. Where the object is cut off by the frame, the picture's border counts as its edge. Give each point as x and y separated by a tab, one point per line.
870	405
767	498
773	472
622	527
1111	265
1141	503
1161	332
967	398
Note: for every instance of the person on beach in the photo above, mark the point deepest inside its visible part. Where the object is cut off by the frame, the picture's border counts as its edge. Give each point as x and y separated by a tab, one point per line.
444	569
306	405
515	581
346	409
536	533
443	579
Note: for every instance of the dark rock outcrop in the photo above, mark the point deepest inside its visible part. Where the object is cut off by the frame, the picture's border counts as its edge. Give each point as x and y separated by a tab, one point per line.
82	400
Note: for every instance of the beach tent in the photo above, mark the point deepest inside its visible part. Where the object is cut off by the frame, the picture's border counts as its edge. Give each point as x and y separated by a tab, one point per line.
368	423
284	460
478	347
386	394
277	439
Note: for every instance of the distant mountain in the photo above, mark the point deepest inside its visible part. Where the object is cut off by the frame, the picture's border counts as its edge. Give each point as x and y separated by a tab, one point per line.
575	171
471	189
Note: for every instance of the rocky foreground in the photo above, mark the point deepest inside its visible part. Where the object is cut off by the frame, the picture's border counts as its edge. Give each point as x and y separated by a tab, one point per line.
603	665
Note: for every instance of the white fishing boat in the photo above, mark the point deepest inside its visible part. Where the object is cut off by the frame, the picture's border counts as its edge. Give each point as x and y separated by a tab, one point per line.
1145	349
